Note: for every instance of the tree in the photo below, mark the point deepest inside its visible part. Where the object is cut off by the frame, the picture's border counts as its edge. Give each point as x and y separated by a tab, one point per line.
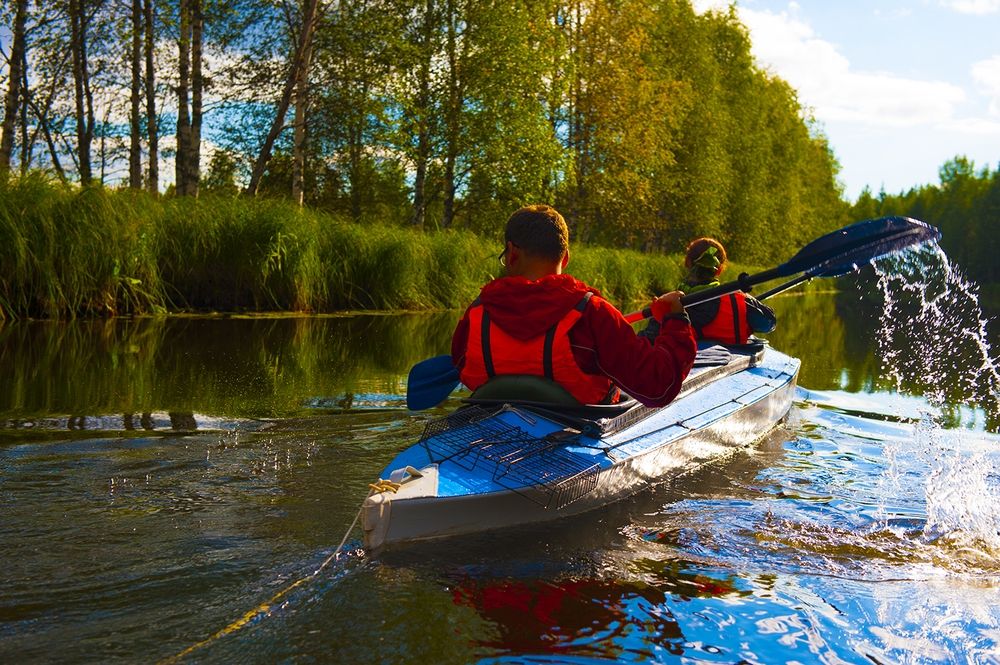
135	106
296	69
15	85
79	17
418	110
190	87
152	120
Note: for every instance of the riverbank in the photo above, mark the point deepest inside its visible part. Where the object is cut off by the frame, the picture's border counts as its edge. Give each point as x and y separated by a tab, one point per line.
93	252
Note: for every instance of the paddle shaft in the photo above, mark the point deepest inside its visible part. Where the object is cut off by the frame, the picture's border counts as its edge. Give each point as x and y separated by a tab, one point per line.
781	288
742	283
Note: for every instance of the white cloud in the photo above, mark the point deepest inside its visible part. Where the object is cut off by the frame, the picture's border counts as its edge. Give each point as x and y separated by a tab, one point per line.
828	84
979	7
986	74
972	127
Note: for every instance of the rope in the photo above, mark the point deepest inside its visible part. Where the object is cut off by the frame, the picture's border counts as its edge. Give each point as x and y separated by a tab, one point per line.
265	607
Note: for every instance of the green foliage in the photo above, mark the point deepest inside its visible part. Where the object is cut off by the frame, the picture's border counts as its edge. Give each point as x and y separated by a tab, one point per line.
675	133
65	250
626	277
644	122
96	252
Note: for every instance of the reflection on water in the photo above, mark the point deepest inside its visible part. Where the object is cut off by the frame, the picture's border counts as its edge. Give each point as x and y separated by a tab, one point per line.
159	479
158	373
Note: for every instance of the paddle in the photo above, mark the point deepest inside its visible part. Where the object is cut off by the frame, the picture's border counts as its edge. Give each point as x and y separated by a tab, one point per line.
430	382
807	276
836	253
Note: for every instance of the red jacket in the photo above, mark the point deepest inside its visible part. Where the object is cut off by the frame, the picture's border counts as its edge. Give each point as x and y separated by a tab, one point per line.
603	342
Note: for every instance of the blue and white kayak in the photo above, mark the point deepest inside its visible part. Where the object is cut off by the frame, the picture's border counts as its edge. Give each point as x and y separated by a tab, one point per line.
503	459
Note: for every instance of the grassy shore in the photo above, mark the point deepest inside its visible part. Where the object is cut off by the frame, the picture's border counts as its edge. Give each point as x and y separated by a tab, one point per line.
66	251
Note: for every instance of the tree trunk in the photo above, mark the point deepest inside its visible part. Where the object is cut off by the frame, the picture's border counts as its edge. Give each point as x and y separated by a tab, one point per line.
102	149
423	125
135	143
183	103
452	121
309	20
356	153
153	183
12	99
42	115
27	144
81	87
197	89
301	114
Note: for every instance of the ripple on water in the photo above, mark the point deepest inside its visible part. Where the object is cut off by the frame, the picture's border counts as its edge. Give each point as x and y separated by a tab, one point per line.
818	530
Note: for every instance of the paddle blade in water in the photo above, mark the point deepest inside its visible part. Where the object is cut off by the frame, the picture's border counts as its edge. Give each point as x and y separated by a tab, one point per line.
840	252
430	382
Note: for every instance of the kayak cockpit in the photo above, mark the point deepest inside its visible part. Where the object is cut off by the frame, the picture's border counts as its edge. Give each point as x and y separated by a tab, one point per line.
547	398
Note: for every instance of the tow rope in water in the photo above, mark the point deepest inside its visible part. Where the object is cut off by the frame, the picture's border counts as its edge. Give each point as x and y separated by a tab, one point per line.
264	608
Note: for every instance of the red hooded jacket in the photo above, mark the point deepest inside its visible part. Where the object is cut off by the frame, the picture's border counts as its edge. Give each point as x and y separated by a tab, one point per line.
602	341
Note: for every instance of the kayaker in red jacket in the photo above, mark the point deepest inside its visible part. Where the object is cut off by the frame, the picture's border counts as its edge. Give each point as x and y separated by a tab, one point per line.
727	320
538	320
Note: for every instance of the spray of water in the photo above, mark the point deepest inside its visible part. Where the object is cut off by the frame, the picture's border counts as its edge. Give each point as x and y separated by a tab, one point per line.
933	342
933	338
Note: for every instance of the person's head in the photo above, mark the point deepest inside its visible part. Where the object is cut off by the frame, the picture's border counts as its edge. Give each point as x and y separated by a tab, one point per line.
705	258
536	242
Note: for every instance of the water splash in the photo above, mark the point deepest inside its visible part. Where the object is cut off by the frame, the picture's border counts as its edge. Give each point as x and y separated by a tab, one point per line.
933	337
933	341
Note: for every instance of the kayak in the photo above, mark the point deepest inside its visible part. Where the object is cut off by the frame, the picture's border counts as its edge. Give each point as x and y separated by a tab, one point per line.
519	450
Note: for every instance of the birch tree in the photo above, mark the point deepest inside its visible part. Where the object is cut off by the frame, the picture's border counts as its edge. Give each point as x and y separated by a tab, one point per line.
295	73
16	91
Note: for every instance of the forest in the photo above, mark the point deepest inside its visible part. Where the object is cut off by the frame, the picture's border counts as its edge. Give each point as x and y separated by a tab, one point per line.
643	121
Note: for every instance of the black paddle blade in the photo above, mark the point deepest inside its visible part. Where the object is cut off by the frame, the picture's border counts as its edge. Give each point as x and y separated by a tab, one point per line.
430	382
842	251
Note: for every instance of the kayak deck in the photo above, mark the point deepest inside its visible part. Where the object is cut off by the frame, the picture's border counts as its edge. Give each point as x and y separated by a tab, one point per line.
497	464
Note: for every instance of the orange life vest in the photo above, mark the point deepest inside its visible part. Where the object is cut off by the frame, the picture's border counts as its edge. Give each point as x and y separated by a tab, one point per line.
729	325
490	352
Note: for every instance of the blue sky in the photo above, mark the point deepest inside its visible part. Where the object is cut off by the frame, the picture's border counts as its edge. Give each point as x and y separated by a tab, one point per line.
897	87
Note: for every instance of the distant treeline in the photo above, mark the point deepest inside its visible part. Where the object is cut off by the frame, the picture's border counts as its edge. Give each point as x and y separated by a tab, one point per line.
70	251
645	122
965	206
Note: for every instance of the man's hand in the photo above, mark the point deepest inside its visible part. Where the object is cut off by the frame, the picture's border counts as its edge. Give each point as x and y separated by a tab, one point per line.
668	303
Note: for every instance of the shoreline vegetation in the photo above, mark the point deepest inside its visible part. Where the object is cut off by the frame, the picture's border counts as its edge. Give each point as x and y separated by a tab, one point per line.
315	182
70	252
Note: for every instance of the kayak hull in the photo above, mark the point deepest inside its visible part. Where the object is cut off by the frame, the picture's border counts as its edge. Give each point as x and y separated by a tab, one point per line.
453	496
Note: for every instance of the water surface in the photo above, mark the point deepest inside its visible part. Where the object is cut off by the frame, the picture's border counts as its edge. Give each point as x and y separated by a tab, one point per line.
159	479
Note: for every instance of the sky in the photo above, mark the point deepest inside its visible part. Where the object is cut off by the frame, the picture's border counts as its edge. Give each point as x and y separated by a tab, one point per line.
897	87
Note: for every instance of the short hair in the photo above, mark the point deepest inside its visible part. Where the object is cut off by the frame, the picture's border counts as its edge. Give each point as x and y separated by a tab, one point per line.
697	248
539	230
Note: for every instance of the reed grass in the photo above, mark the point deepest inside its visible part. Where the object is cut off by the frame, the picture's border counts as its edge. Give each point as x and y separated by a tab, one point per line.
67	251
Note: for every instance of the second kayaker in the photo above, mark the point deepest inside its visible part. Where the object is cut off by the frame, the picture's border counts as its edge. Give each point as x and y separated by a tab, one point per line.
540	321
727	320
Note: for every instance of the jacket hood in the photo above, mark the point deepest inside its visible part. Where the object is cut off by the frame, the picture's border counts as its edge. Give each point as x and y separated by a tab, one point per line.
526	308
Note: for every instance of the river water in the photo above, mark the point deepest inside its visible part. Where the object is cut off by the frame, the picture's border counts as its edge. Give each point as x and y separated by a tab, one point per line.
162	478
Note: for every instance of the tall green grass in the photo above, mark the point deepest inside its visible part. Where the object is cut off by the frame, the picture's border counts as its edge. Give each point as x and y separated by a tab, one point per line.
67	251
